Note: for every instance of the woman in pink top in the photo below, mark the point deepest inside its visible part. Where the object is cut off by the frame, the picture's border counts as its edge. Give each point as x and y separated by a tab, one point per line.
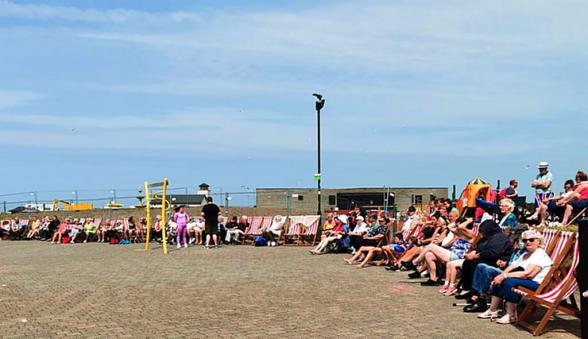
577	202
63	228
181	218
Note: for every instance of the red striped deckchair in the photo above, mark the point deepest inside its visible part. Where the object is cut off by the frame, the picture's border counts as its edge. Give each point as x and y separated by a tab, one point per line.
254	228
553	292
550	237
267	222
303	226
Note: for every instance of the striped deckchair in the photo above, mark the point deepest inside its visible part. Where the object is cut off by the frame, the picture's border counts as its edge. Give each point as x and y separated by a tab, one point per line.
553	292
267	222
254	228
303	226
549	239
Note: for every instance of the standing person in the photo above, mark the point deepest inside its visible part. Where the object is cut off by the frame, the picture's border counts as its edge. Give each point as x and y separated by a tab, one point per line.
542	183
181	218
211	212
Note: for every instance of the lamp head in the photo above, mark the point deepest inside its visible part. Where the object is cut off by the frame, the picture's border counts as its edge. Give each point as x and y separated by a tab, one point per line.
320	101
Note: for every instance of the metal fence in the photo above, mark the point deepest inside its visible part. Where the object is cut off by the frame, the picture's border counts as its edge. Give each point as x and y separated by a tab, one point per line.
101	198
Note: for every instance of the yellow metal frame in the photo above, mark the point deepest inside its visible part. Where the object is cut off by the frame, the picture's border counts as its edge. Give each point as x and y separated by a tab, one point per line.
165	205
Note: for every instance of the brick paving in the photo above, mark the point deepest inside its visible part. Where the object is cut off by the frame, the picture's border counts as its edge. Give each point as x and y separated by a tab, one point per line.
99	290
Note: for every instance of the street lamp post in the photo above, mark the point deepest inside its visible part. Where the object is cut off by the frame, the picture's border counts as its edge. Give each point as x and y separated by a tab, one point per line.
75	193
319	104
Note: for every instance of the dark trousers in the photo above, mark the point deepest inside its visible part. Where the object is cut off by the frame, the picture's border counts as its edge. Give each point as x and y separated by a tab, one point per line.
269	236
467	273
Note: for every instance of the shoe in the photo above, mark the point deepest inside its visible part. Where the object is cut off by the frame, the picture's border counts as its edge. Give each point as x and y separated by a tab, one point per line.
443	289
179	246
506	319
430	283
479	306
414	275
489	314
450	291
392	268
273	244
185	245
464	295
408	265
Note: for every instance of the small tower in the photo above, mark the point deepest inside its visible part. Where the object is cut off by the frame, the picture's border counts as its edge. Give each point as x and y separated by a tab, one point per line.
203	189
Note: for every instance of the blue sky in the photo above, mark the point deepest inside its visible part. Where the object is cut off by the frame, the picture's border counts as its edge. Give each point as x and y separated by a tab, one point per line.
100	94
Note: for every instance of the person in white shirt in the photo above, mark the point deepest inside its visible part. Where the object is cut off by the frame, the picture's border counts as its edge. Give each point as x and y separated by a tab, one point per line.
528	271
410	219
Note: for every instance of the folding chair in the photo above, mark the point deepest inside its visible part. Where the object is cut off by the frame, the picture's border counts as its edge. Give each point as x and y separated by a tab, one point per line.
553	291
254	228
302	226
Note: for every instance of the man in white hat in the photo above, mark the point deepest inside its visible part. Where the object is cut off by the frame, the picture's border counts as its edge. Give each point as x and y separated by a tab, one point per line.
542	183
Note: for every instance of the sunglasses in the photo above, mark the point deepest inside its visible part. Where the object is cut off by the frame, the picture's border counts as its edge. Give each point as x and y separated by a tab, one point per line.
528	240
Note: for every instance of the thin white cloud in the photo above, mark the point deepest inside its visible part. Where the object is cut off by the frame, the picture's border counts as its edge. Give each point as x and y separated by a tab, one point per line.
42	12
12	98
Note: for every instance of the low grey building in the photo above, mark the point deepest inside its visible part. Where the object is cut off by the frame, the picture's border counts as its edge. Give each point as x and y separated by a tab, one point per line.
304	200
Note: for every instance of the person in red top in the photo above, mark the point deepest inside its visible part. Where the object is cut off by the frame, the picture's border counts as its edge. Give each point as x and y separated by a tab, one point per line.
577	201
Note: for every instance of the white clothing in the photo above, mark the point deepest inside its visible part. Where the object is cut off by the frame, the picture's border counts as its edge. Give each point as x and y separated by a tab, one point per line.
539	258
233	234
361	227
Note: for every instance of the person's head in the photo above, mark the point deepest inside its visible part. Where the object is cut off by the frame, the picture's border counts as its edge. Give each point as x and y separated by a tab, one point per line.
398	238
371	219
514	183
532	240
342	218
234	218
158	217
383	220
411	211
581	176
330	216
443	211
243	219
543	167
506	206
453	215
182	209
359	219
131	219
569	185
209	200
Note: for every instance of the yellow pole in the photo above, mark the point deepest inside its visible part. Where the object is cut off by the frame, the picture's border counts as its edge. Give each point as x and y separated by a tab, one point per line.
148	208
163	212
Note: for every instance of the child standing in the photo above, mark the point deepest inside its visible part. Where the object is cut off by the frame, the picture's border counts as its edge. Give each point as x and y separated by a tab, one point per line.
181	218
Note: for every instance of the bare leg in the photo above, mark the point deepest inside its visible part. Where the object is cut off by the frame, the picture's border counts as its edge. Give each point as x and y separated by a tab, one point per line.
567	214
431	265
369	257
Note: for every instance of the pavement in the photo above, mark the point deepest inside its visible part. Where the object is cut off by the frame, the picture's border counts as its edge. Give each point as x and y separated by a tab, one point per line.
108	291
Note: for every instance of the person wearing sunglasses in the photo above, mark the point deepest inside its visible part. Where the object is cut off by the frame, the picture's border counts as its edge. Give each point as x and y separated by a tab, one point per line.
527	271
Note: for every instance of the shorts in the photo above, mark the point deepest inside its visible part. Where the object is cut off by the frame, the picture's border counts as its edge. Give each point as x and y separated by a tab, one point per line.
579	205
211	229
539	196
453	257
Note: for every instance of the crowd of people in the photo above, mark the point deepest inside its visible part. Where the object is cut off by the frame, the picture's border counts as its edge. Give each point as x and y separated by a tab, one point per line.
209	229
478	256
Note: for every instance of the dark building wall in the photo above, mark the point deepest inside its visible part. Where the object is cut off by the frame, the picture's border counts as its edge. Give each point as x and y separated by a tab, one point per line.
286	197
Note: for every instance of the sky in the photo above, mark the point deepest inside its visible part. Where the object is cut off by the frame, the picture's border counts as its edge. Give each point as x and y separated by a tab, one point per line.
96	95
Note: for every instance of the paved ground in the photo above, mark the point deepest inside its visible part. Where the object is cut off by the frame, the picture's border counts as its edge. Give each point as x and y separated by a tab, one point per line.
99	290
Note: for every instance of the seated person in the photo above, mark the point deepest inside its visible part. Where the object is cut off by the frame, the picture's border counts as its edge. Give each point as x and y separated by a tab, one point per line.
577	201
336	233
328	225
233	231
101	230
554	205
132	229
355	236
76	228
63	230
483	276
396	250
509	219
190	228
34	228
275	230
5	228
171	231
493	245
16	229
371	244
89	229
527	271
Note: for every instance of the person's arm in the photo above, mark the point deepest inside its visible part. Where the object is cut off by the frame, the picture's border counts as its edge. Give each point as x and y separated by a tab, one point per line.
529	273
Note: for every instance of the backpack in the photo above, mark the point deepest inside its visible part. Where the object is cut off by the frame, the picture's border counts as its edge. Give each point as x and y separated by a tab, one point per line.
260	241
113	241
